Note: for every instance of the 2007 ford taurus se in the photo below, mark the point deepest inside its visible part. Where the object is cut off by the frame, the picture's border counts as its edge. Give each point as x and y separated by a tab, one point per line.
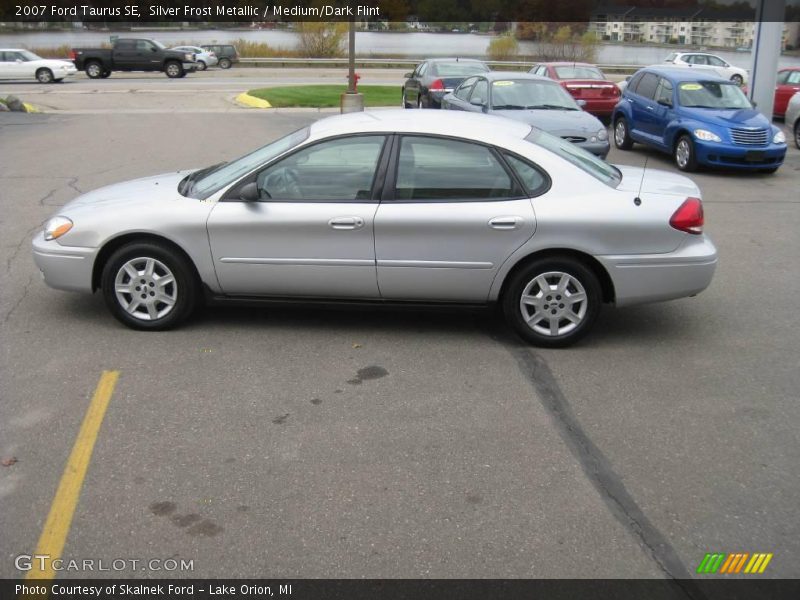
391	206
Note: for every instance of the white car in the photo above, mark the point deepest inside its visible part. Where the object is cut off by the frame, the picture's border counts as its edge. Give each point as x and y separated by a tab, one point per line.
16	63
708	61
205	58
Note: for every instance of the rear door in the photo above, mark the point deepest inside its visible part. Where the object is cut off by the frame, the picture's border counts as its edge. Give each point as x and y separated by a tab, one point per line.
311	233
125	55
452	213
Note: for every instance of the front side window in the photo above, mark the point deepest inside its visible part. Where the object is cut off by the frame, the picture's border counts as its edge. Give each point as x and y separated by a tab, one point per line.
431	168
712	94
337	170
480	93
664	92
144	46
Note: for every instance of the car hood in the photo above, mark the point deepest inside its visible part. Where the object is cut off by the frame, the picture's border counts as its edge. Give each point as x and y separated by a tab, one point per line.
656	182
147	189
741	117
557	122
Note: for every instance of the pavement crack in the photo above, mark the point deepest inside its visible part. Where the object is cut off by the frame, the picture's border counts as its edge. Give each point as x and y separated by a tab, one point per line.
73	183
43	200
598	468
17	247
24	295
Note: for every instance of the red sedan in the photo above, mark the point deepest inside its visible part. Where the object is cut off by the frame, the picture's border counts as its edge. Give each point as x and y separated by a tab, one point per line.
788	85
585	82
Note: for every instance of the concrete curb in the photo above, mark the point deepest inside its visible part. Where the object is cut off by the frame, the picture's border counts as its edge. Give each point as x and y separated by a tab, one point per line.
249	101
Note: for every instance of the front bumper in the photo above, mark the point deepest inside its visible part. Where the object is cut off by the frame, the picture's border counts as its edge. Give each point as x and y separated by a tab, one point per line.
597	148
740	157
64	267
643	278
62	73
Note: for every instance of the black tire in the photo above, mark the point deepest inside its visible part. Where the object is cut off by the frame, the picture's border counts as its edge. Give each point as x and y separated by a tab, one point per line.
797	133
45	76
184	292
558	309
94	69
419	101
174	70
622	134
685	162
737	79
225	63
201	66
105	74
403	102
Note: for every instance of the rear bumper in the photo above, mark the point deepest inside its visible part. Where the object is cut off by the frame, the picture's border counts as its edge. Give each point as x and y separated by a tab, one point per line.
64	267
740	157
601	107
643	278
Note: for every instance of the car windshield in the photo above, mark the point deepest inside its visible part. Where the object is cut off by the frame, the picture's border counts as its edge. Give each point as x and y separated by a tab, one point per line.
28	55
459	69
159	45
712	94
205	182
586	161
530	94
579	72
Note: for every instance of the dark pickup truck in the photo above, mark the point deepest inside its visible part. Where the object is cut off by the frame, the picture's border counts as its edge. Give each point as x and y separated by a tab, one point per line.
133	55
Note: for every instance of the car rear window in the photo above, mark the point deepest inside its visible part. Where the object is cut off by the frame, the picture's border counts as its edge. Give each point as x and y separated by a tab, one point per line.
579	72
585	161
458	69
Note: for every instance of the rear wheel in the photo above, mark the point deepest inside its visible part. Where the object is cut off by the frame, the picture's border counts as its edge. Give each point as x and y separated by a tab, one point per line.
149	286
224	63
201	65
797	133
685	157
173	69
94	69
622	137
552	302
44	76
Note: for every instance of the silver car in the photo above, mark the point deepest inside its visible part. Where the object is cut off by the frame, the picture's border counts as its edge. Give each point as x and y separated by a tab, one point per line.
205	58
391	206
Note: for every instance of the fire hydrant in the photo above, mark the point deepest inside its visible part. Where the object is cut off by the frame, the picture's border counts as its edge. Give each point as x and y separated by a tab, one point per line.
356	77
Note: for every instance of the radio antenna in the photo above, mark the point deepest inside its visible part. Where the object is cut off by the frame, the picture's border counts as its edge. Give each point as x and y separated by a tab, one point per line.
638	200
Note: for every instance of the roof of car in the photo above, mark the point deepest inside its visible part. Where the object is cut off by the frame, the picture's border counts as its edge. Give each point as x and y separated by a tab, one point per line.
566	63
681	74
475	126
455	59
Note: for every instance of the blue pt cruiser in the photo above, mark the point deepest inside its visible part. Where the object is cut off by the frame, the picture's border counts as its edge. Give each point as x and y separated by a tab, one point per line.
698	118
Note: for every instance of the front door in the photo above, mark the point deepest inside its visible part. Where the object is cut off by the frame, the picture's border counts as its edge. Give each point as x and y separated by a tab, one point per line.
453	216
311	232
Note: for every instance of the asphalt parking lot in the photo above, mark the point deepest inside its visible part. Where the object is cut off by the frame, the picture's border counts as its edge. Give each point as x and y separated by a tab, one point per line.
309	442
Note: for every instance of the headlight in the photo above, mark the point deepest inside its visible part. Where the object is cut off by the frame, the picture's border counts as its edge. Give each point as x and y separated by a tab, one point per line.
602	135
189	57
779	138
706	136
56	227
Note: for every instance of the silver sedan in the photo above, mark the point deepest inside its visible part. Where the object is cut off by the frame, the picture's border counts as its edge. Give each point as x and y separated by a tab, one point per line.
390	206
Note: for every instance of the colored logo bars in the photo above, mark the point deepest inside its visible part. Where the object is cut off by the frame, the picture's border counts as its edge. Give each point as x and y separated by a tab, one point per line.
726	564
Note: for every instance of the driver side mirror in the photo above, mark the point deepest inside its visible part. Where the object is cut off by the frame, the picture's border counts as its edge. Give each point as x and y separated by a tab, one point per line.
249	192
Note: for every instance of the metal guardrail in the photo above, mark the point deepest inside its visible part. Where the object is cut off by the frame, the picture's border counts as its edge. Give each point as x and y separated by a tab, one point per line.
402	63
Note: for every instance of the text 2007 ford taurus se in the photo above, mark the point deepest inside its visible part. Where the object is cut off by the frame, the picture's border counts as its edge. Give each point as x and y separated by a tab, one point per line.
393	206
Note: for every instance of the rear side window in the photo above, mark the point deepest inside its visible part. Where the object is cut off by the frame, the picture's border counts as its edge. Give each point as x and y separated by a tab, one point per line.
125	45
664	91
647	85
534	180
442	169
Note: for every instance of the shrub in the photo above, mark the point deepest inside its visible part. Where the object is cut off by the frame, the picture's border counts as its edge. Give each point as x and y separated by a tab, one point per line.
321	40
503	47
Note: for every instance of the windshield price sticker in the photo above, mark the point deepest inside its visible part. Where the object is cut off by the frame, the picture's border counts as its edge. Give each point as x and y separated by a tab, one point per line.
691	86
503	83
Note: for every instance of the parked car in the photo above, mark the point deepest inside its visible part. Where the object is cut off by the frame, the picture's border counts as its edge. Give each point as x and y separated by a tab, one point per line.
205	58
787	86
379	207
227	55
433	79
793	117
534	100
133	55
702	59
700	120
16	63
585	82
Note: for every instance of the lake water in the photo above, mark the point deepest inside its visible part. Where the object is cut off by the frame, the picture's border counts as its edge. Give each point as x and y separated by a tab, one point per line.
412	45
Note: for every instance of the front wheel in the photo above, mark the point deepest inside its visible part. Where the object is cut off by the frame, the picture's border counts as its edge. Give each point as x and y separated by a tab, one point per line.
737	79
552	302
622	137
685	157
44	76
201	65
148	286
224	63
174	70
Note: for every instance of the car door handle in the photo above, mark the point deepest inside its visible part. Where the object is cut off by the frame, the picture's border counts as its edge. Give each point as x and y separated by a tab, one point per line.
346	223
505	223
648	107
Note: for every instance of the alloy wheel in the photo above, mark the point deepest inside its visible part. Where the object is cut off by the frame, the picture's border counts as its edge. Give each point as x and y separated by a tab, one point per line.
619	132
146	289
683	153
553	303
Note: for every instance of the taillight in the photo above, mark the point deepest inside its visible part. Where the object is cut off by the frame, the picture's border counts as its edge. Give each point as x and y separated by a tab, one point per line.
611	91
72	55
436	86
689	216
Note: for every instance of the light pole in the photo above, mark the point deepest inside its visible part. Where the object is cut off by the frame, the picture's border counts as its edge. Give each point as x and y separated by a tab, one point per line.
351	101
766	51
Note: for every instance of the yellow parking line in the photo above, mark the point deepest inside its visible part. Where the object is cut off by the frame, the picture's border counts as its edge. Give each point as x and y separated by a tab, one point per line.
56	527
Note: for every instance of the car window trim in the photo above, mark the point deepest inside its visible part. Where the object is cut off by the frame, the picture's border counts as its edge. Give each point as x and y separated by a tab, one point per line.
389	194
232	194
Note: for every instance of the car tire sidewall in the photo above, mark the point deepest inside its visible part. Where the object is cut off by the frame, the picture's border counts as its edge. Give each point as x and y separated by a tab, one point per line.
626	143
94	70
518	282
202	66
173	70
225	63
797	134
184	277
44	76
691	163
